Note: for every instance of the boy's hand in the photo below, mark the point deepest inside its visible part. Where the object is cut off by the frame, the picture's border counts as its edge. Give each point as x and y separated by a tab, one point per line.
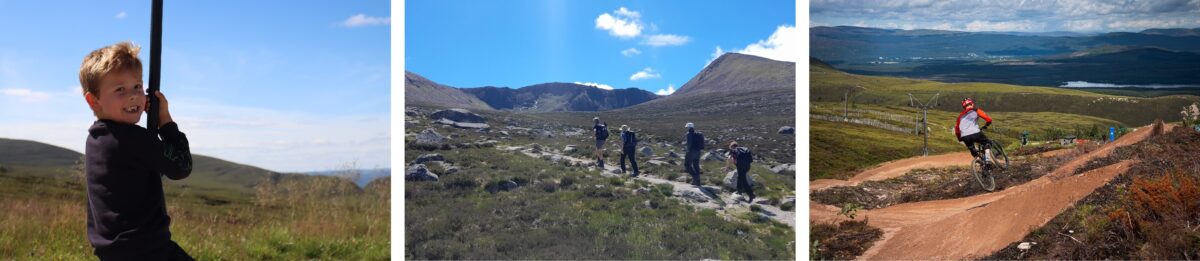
164	115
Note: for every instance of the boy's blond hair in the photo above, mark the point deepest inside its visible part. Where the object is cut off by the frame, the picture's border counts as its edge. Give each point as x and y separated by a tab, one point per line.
114	58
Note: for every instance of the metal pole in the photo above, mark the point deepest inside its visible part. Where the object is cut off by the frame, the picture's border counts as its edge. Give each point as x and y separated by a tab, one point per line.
155	64
846	103
925	130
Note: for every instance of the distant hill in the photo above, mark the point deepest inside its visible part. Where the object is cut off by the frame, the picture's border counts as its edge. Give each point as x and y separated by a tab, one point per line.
1173	31
421	91
549	97
364	176
1115	65
207	172
844	45
831	85
32	153
735	72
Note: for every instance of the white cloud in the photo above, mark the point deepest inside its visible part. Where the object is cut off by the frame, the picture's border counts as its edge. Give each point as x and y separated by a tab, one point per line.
121	15
1138	24
647	73
668	91
25	95
783	45
1023	25
360	20
597	85
665	40
716	54
630	52
624	24
627	13
1085	25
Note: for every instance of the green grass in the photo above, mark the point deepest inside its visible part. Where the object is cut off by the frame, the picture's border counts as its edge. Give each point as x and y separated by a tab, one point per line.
44	218
840	149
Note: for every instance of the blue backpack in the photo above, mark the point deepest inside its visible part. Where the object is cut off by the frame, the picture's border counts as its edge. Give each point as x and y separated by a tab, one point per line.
695	141
630	138
602	132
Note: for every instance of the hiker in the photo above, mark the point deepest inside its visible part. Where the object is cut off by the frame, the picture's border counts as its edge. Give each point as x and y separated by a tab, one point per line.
968	131
691	160
628	149
740	157
126	210
601	137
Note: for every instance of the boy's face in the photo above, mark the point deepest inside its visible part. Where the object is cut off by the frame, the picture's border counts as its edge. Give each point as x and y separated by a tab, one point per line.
119	97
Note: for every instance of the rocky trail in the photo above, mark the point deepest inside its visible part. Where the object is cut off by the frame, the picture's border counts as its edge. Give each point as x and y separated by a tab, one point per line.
975	226
708	197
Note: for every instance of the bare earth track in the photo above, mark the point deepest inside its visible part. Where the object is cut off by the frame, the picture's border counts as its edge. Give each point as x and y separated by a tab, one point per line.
973	227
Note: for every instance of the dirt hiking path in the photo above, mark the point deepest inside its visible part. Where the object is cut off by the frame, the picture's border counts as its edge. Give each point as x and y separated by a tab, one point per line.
976	226
709	197
894	169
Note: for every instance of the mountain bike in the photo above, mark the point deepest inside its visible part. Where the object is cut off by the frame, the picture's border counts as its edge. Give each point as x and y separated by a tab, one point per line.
982	170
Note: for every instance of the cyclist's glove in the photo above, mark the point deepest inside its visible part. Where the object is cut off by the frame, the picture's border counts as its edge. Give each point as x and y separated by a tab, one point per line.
985	126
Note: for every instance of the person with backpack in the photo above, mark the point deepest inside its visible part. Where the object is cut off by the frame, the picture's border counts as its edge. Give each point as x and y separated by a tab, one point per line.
629	148
741	158
691	159
601	136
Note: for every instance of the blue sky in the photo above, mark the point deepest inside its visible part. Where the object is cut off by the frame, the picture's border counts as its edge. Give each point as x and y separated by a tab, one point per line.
652	45
300	86
1086	16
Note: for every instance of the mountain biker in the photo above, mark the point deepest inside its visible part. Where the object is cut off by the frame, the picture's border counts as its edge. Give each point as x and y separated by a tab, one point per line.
691	161
629	148
968	131
601	136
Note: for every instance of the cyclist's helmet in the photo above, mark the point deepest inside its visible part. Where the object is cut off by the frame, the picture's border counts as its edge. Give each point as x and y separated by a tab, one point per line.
967	101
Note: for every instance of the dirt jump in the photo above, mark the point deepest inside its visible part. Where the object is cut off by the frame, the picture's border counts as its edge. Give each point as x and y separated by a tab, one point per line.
976	226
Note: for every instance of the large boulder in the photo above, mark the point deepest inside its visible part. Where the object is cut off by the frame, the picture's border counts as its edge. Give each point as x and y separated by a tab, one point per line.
713	156
787	130
463	125
730	180
429	138
418	172
457	115
784	168
789	204
429	158
646	151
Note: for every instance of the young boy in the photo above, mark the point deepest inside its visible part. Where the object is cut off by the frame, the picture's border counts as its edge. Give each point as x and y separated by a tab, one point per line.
127	214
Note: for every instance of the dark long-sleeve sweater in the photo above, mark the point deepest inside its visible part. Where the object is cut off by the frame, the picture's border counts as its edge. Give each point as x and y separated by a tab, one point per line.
126	209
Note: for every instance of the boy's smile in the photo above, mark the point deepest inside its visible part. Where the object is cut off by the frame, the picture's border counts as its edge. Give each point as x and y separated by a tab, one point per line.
121	97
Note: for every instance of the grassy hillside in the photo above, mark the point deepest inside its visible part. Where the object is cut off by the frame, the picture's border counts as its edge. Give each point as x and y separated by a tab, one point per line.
224	210
569	212
830	85
32	153
320	218
751	118
840	149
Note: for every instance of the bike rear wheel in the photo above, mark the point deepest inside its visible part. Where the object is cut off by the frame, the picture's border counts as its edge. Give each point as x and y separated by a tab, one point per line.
981	171
998	157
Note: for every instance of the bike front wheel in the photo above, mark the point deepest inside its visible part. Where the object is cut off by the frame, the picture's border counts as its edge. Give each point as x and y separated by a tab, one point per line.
985	179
